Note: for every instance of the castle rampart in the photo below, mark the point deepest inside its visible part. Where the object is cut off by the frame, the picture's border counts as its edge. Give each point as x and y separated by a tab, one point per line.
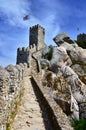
11	90
81	37
33	48
28	64
23	55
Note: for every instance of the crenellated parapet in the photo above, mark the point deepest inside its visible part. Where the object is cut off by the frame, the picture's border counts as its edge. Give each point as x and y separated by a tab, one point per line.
33	48
81	37
37	27
11	90
23	55
23	49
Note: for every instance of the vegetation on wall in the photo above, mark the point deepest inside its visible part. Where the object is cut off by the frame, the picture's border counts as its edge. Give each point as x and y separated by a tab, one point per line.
49	54
81	43
79	125
8	127
13	113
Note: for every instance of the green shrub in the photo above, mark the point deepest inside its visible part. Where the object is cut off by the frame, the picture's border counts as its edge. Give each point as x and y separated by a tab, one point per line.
48	55
79	125
8	127
12	115
81	43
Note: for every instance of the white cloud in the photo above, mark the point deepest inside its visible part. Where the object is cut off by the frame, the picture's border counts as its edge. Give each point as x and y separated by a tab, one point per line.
13	11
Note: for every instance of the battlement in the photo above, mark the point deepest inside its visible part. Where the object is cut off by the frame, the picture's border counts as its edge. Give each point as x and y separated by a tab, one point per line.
37	27
23	49
22	55
81	37
33	48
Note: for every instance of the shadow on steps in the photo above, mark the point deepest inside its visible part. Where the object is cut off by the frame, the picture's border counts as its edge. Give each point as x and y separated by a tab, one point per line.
47	113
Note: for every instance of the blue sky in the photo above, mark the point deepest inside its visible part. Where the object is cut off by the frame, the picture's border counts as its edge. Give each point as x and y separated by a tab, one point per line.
54	15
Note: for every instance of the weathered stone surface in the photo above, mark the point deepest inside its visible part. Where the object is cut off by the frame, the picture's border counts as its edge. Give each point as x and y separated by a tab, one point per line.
11	88
13	77
74	108
45	50
66	62
20	69
82	108
48	78
30	116
44	63
3	73
4	89
68	46
59	58
37	35
64	73
78	55
78	69
83	78
60	116
61	38
73	79
23	55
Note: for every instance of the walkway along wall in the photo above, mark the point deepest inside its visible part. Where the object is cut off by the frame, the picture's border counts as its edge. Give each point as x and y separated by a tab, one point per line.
11	92
58	118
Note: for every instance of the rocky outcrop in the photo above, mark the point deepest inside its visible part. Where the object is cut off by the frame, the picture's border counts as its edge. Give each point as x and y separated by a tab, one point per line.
59	72
61	38
69	64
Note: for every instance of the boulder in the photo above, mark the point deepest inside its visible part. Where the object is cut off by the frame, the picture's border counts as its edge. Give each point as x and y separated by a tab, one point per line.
69	64
59	58
44	63
78	69
61	38
45	50
78	55
68	46
74	108
48	79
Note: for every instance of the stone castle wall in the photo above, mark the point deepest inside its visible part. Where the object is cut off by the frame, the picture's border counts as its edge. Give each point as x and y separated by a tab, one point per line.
11	91
36	42
33	48
81	37
11	79
23	55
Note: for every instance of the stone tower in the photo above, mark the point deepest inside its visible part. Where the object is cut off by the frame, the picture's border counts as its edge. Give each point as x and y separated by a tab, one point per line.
37	34
36	43
23	55
81	37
